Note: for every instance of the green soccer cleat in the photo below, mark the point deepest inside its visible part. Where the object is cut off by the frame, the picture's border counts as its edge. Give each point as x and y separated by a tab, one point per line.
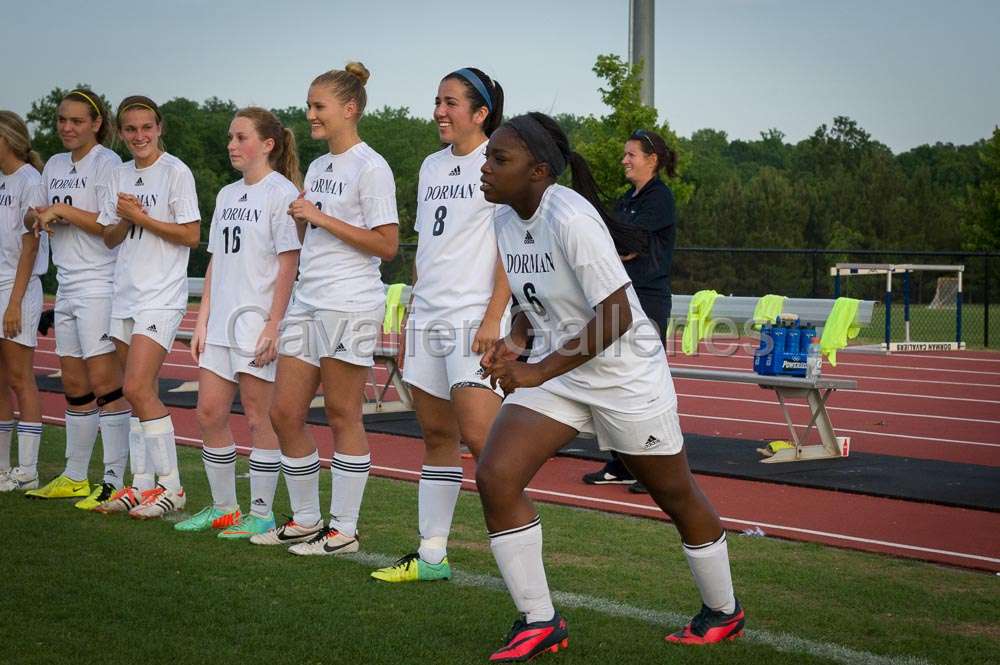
61	488
411	568
101	493
209	517
249	525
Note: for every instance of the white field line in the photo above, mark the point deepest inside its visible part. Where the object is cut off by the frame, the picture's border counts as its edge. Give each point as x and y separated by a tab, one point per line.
784	642
843	408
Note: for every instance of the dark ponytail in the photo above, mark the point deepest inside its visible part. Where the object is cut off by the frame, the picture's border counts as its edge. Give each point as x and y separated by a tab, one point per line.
492	89
628	238
652	143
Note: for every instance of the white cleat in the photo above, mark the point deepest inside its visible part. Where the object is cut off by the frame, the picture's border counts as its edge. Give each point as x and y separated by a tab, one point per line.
157	502
325	543
121	501
287	533
17	480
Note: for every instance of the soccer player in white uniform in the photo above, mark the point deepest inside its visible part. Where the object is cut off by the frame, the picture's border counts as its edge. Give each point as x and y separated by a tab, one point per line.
347	218
23	257
255	255
151	211
596	364
452	322
76	183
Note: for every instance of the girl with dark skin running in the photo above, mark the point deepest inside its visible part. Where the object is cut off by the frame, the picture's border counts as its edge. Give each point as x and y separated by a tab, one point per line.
605	373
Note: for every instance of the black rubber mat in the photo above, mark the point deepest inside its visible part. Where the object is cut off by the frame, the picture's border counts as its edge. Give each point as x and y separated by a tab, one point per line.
929	481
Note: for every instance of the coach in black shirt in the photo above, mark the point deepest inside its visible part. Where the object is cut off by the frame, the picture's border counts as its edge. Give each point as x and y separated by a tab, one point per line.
648	204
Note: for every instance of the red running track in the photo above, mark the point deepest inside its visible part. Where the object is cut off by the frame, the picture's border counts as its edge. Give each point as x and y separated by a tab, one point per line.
943	406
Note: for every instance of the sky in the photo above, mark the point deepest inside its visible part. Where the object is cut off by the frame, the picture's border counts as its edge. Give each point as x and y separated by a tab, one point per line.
908	71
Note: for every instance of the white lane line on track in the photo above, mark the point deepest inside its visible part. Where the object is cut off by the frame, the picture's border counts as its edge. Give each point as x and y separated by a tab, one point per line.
843	408
654	509
736	521
856	376
784	426
165	364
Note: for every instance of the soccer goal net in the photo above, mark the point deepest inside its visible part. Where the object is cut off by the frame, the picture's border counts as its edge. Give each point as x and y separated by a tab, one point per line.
907	317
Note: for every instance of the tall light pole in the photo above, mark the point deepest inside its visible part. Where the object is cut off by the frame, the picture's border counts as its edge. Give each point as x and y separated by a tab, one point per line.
640	44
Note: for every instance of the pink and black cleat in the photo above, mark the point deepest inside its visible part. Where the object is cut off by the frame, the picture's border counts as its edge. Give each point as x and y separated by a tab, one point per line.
525	641
710	626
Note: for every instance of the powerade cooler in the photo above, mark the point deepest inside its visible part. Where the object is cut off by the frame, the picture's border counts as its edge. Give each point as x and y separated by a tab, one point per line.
783	349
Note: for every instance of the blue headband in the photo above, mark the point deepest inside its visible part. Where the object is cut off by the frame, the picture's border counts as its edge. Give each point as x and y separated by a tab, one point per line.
477	83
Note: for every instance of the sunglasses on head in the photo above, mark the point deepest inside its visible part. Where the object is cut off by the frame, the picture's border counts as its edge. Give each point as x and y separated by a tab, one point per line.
641	134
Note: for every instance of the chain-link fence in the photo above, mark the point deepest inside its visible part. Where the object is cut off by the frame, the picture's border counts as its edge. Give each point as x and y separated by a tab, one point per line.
805	273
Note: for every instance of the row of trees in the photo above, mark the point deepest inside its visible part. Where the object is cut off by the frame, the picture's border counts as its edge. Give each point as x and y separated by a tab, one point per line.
839	188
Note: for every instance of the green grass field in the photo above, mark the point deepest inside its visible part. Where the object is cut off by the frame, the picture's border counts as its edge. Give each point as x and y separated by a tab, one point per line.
82	587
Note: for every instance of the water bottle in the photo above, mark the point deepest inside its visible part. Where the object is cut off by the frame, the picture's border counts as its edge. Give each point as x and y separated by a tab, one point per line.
814	360
779	334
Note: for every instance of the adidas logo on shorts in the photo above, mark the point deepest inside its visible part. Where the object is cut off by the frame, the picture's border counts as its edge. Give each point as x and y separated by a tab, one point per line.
253	363
528	240
650	442
258	502
151	328
110	473
340	348
138	183
243	198
105	338
481	372
456	171
329	168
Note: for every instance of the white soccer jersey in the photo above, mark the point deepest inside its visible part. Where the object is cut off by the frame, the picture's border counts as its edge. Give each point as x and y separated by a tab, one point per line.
19	191
85	266
561	263
356	187
250	228
457	247
151	273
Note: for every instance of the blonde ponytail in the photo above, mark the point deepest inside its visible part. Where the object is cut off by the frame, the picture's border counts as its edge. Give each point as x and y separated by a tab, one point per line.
15	133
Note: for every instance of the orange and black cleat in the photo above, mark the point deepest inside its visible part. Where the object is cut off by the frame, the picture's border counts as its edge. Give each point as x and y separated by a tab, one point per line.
710	626
526	641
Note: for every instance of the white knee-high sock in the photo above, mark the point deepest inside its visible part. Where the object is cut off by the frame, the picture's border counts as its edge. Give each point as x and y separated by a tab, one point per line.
29	437
141	460
159	437
349	476
6	430
302	478
710	566
265	465
220	467
518	552
81	434
437	494
115	442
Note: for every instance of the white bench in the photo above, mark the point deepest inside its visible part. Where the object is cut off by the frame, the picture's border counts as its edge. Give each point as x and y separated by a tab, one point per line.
738	310
385	354
816	392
